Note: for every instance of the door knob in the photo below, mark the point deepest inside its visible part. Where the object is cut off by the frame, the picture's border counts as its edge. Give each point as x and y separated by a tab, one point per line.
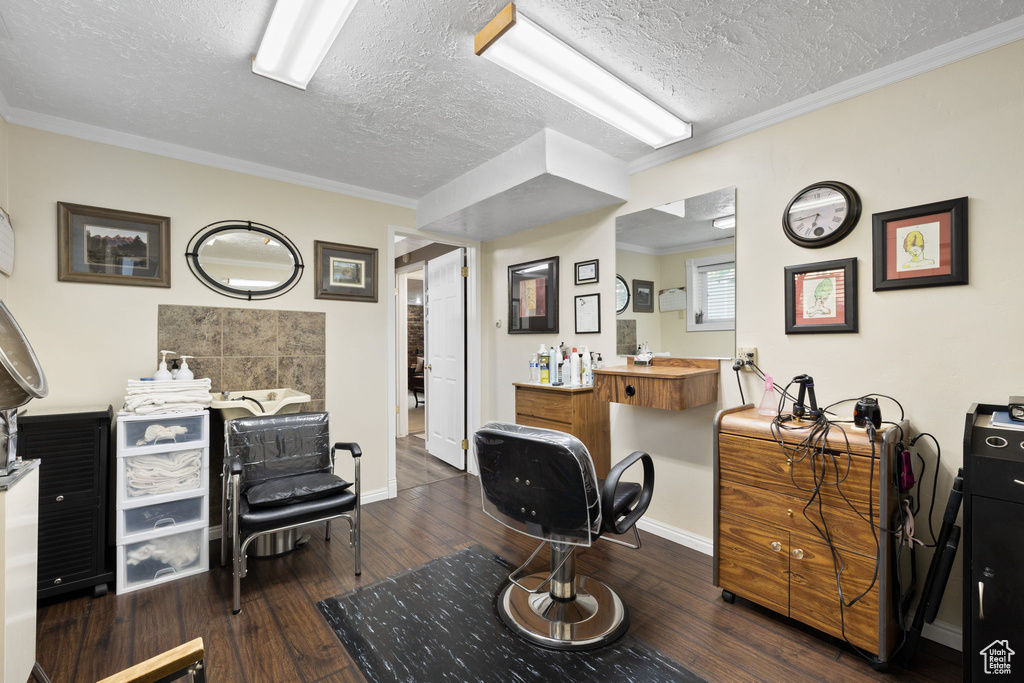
776	546
630	390
789	513
798	553
428	367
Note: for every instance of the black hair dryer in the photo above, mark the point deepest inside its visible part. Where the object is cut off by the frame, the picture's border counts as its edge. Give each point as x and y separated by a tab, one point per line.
866	411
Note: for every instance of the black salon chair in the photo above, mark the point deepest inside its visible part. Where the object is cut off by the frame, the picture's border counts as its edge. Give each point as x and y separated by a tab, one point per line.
279	475
541	483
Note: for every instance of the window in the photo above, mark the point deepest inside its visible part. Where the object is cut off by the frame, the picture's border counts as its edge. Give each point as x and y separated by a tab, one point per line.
711	293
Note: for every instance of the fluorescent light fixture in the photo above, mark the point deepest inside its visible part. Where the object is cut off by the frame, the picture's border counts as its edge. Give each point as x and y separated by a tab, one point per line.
725	222
243	282
298	36
527	50
674	208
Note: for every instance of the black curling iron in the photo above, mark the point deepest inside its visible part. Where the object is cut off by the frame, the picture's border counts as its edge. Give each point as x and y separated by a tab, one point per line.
806	383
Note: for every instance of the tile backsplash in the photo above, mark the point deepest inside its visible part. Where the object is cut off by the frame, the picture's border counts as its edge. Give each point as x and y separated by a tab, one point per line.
245	348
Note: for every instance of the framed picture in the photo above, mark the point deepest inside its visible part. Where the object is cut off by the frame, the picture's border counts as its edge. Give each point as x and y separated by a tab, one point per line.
588	313
643	296
822	297
923	246
345	272
112	247
586	272
533	297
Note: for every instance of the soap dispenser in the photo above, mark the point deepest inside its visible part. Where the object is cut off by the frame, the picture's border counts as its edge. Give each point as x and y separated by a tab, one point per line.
162	372
185	373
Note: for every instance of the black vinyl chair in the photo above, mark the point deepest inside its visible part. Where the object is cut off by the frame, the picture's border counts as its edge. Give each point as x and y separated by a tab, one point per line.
279	475
541	483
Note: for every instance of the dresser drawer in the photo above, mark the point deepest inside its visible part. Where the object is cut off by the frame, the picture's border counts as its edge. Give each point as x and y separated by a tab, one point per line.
158	560
997	478
157	477
656	392
546	404
71	460
762	463
163	432
68	548
138	522
846	527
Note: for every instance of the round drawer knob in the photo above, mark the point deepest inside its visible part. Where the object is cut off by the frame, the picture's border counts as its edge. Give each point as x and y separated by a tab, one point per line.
60	499
789	513
57	582
776	546
798	553
630	390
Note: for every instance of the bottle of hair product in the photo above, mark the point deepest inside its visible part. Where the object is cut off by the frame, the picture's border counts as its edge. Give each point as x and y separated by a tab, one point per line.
574	368
553	365
587	368
543	365
534	369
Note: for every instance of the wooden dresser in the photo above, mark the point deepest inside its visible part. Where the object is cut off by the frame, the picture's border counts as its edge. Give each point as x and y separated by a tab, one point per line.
669	384
574	410
767	548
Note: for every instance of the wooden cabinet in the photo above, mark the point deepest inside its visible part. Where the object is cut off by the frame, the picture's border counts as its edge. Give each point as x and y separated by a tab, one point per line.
774	508
74	542
670	384
574	410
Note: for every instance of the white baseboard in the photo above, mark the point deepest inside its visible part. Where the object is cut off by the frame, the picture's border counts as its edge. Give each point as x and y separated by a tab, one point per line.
677	535
940	632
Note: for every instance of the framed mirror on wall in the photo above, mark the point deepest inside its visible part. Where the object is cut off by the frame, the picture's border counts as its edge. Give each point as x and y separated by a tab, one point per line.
686	248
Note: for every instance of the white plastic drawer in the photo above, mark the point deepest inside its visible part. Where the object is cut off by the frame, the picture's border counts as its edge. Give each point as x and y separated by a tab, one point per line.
162	432
148	520
159	560
147	478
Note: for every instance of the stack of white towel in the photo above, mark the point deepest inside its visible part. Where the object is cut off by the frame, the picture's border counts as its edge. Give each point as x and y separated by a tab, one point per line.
166	396
151	475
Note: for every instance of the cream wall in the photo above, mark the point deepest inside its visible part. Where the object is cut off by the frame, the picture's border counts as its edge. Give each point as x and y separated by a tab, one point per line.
90	338
632	265
4	173
948	133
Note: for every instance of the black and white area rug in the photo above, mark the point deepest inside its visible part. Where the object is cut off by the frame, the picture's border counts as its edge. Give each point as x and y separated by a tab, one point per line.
437	622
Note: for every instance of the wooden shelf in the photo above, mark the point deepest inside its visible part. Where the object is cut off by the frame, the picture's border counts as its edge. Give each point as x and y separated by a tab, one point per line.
669	384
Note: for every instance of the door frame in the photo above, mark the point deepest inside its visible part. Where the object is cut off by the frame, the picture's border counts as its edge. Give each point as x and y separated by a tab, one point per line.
474	369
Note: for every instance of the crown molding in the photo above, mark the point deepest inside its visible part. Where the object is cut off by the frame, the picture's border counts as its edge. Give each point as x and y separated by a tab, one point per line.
942	55
84	131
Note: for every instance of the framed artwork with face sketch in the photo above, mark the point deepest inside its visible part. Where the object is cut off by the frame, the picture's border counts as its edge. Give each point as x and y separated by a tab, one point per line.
922	246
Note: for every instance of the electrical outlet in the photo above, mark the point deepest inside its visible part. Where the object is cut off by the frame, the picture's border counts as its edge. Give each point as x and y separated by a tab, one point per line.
748	354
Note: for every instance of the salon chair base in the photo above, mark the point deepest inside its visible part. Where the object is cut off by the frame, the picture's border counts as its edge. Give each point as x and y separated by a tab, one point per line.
595	617
278	543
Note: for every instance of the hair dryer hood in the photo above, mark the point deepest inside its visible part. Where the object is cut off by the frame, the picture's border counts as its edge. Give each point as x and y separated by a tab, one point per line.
21	377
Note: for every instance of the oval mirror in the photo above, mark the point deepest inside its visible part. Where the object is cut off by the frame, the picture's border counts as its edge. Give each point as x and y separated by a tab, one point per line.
244	260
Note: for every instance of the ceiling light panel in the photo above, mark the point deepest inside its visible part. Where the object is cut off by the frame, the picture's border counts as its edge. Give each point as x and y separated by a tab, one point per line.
297	39
725	222
527	50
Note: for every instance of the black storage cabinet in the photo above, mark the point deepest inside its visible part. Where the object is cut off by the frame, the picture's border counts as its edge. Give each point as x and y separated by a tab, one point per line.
994	549
74	544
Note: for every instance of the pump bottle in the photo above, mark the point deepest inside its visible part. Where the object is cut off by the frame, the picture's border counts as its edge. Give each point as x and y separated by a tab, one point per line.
162	372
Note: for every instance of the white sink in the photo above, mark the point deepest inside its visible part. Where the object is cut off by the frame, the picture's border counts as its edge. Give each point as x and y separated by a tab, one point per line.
274	401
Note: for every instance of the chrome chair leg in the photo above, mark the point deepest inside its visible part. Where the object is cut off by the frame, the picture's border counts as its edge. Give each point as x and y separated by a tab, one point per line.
327	536
236	605
224	526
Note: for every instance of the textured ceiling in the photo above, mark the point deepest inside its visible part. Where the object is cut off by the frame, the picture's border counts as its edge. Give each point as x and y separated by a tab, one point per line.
401	105
660	232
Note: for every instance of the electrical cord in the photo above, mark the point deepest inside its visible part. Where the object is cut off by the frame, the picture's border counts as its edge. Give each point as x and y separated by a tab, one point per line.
935	482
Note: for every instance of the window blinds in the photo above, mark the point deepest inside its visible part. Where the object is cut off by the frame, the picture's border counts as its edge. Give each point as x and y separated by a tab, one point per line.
717	292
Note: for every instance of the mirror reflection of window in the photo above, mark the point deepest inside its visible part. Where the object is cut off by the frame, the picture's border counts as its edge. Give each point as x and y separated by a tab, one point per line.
687	248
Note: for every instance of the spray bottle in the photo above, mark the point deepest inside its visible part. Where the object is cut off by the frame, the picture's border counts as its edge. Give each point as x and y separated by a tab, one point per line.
553	366
543	363
769	403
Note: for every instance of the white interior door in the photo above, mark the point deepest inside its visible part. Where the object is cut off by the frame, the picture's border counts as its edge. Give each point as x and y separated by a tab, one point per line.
445	372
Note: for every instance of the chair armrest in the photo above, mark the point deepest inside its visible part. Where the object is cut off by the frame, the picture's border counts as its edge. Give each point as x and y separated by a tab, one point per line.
612	483
233	466
352	448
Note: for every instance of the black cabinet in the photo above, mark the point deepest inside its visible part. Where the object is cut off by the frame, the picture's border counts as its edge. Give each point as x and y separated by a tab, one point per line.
74	542
994	549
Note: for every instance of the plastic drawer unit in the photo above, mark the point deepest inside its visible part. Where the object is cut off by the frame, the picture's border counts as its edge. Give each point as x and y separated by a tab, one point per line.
162	498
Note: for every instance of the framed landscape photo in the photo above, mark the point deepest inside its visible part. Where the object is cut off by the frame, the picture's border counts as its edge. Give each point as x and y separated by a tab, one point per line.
587	272
822	297
588	314
345	272
533	297
112	247
921	246
643	296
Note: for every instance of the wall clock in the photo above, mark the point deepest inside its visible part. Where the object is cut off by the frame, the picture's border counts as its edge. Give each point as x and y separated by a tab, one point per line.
621	294
821	214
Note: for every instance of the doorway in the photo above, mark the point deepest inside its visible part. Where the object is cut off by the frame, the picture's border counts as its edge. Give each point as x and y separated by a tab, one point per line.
431	417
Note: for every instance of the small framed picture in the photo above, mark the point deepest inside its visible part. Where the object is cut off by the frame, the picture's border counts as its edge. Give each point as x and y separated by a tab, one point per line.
922	246
533	297
112	247
586	272
822	297
345	272
643	296
588	314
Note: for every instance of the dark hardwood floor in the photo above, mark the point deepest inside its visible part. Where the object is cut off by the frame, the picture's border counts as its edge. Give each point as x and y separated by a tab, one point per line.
415	467
280	635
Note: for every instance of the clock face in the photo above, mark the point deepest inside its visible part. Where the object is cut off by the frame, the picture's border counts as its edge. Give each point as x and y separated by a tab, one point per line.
621	294
821	214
